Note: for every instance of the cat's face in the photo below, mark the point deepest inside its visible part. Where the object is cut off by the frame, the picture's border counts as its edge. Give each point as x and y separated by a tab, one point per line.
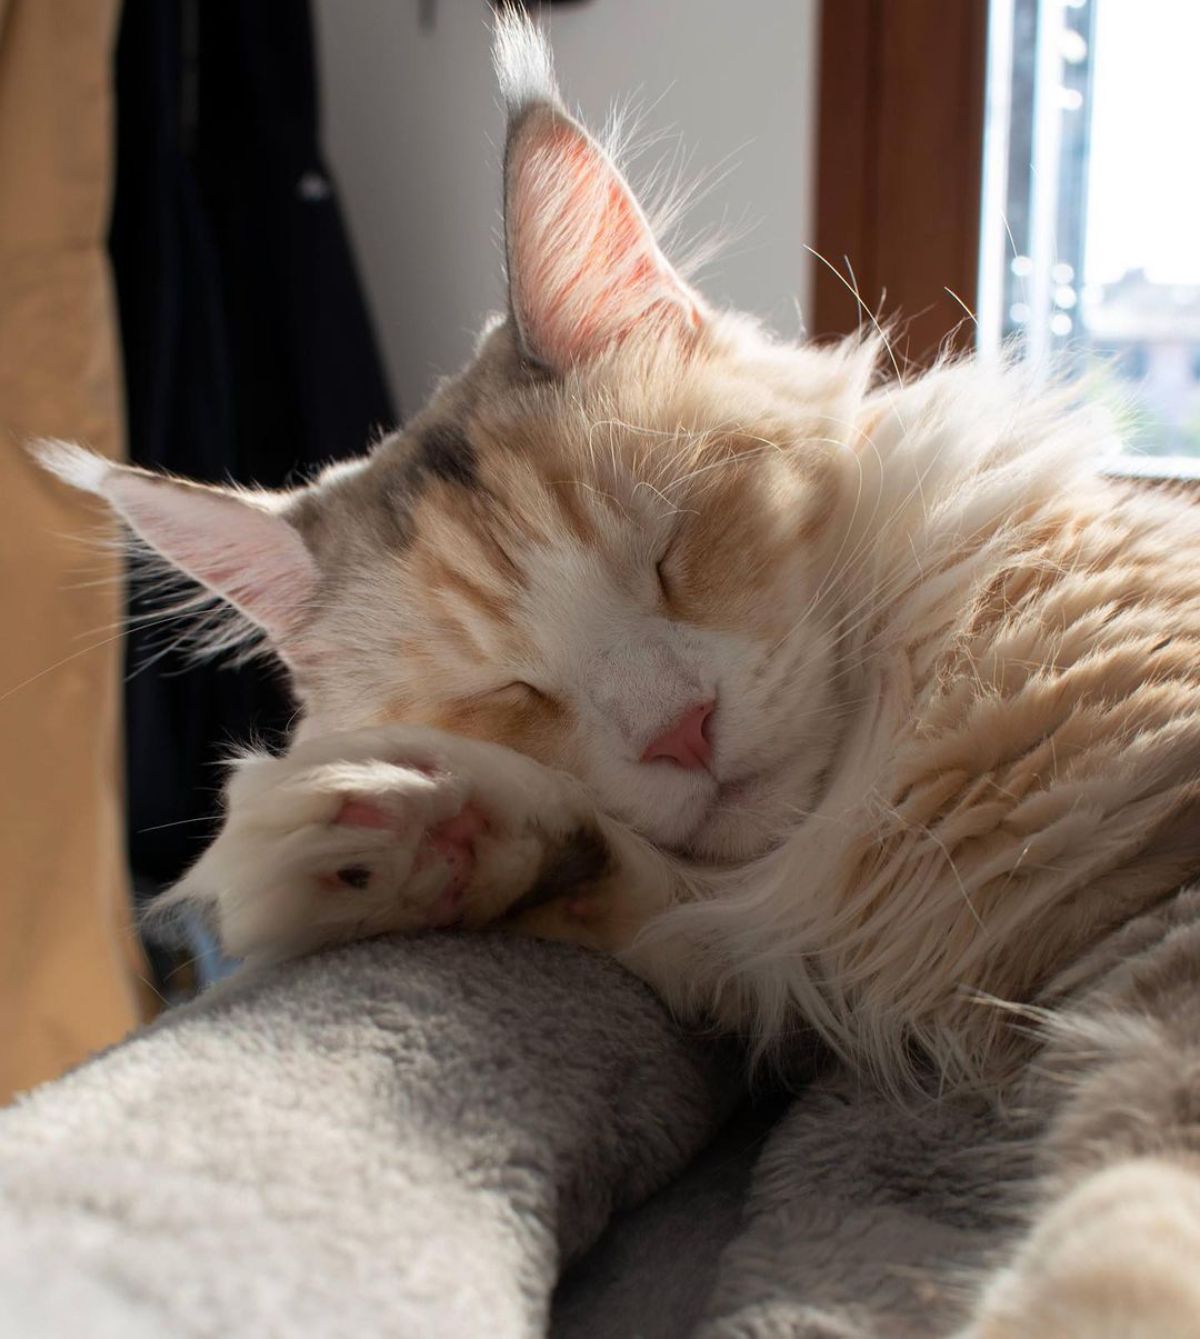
607	543
615	570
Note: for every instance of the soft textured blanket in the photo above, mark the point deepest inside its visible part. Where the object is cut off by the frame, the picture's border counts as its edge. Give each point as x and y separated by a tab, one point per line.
413	1138
845	1218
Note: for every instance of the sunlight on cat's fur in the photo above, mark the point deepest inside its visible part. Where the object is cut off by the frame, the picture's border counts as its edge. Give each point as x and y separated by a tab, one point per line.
821	698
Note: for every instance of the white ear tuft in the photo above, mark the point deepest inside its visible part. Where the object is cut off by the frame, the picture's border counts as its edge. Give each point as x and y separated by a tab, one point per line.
524	65
234	542
72	464
584	268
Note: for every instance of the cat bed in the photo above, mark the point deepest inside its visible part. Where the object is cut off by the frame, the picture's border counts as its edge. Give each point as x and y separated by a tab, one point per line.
417	1138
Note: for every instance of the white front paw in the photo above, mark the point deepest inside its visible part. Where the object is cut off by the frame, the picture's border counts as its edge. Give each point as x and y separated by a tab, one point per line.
399	828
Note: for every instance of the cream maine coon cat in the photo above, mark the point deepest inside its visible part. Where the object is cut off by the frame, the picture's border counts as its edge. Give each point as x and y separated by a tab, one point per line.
817	697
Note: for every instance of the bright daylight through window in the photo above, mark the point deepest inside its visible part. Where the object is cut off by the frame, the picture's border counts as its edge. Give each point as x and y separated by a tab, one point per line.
1091	207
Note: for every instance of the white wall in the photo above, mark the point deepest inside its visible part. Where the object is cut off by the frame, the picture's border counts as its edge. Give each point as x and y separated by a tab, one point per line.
414	135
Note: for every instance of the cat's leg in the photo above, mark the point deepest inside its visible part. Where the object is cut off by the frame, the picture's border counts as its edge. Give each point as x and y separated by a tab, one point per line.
406	828
1117	1257
1114	1251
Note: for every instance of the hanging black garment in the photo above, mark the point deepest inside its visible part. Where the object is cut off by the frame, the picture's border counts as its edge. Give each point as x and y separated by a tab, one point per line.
248	350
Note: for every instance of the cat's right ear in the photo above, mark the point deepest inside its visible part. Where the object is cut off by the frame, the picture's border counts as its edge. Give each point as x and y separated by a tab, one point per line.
235	542
584	267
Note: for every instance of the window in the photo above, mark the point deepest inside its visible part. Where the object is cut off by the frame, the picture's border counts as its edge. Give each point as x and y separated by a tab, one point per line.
1090	229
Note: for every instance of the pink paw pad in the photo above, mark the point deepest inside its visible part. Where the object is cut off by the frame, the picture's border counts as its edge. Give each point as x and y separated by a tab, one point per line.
454	842
451	841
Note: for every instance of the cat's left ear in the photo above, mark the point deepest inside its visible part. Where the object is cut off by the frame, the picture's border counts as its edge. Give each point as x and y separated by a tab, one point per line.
238	543
584	268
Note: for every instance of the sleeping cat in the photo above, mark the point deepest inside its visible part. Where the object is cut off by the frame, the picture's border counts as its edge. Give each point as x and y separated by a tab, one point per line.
818	697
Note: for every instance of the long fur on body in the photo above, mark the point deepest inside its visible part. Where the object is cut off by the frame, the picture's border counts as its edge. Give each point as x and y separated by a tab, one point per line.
946	674
1019	765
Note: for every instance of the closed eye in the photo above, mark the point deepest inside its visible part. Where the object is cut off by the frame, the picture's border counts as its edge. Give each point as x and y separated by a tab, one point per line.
661	572
519	689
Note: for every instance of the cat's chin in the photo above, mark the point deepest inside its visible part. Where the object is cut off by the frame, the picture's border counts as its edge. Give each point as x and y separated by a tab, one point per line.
733	827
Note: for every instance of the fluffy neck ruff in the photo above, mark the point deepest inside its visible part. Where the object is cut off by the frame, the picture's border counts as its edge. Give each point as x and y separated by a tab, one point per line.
1018	775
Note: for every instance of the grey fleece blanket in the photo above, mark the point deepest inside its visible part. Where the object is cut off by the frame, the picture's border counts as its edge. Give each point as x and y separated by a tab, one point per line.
416	1138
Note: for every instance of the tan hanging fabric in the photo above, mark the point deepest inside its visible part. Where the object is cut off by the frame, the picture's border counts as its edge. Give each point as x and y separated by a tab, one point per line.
71	980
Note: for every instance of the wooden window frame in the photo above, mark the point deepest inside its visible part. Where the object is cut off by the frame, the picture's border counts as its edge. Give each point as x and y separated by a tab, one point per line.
899	169
900	184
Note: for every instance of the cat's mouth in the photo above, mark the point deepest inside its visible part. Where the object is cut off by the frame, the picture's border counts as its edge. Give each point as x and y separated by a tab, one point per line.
725	810
732	792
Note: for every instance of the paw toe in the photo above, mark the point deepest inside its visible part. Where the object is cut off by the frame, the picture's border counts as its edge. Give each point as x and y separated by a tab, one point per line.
447	910
362	814
463	828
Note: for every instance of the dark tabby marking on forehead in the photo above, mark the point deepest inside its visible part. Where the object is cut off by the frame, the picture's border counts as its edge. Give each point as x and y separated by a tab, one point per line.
444	452
579	862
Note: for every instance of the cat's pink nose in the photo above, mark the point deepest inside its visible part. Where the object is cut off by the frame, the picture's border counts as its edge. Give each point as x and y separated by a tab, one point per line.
686	743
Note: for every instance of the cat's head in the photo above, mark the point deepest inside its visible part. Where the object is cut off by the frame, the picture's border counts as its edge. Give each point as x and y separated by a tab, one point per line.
605	543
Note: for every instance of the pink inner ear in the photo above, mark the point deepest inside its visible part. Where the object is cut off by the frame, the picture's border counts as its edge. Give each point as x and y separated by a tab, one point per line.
237	547
585	268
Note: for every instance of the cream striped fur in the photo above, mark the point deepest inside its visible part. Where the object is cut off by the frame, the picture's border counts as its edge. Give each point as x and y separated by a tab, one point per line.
948	792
